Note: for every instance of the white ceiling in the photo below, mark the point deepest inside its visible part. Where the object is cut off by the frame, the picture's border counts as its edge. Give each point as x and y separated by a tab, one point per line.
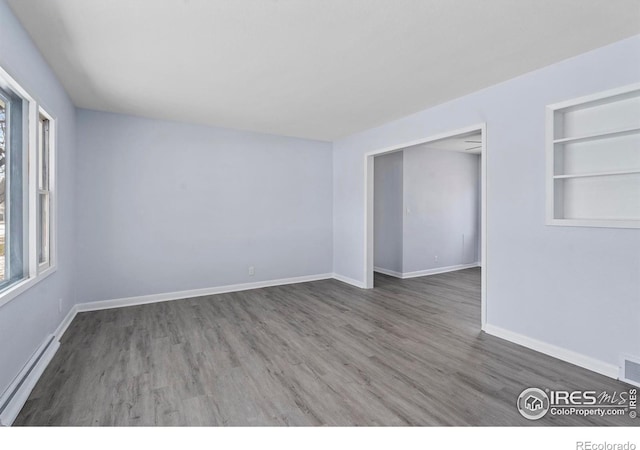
317	69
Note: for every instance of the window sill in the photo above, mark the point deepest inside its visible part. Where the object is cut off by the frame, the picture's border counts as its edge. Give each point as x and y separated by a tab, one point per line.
15	290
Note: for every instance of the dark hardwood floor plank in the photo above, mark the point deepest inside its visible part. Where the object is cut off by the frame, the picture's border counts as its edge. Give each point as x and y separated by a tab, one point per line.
409	352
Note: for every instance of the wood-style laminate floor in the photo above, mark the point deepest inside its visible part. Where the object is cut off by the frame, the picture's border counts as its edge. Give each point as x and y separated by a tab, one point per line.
409	352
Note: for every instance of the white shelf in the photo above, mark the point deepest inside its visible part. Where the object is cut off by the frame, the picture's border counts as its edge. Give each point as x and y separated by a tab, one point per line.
596	223
596	183
596	174
595	136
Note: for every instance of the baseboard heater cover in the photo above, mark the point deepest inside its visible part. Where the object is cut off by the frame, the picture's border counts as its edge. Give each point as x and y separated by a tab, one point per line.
16	395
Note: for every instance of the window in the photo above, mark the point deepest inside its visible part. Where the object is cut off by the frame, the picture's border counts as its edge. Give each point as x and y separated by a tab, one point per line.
3	190
12	192
44	192
27	194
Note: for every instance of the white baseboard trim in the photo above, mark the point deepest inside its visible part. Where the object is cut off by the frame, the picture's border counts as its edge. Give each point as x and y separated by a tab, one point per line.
405	275
391	273
16	395
66	322
424	273
578	359
350	281
437	270
165	297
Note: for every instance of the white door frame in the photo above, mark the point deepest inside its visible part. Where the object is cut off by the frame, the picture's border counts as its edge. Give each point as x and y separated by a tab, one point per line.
368	205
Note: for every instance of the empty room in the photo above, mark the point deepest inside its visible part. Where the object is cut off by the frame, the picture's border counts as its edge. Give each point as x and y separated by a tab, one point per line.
311	213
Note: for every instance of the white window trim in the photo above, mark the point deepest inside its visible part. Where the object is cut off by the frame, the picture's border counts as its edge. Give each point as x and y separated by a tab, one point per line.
43	267
34	273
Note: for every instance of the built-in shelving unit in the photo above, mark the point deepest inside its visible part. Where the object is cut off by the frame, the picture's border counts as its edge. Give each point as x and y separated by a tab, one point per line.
593	160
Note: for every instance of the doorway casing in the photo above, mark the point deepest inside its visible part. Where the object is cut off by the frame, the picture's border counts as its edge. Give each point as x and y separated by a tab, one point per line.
368	211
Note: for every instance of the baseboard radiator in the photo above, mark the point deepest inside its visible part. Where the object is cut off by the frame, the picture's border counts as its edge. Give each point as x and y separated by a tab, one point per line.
16	395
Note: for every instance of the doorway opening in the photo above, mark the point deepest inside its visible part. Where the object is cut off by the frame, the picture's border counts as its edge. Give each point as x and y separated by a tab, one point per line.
449	213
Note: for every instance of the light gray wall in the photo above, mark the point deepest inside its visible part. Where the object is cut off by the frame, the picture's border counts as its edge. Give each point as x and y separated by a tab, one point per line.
441	200
27	319
165	207
387	212
426	204
225	196
576	288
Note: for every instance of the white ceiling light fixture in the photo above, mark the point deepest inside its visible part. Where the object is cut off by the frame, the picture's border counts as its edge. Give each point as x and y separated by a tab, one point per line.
477	145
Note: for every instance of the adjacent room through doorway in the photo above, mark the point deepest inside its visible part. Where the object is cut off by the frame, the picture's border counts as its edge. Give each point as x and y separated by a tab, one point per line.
427	202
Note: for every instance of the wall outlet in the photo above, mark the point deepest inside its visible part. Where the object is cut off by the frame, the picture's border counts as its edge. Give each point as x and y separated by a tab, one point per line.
59	305
435	258
252	271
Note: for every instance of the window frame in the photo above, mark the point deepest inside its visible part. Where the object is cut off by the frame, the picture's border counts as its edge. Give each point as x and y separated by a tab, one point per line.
49	191
34	272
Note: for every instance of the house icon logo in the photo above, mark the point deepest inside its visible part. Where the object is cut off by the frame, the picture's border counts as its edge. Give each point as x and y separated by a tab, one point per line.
533	403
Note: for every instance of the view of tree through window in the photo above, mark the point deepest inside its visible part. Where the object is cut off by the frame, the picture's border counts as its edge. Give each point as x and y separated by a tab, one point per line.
18	191
3	130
